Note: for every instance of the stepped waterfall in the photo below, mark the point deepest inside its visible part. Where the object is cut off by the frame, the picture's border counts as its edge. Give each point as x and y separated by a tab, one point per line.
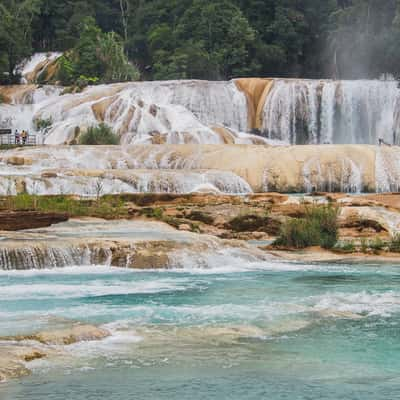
291	111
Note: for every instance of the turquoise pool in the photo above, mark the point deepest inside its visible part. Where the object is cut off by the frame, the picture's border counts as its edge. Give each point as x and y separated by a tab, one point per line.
269	330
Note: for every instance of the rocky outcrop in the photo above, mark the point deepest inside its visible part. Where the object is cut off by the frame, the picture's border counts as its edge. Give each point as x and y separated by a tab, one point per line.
17	351
19	220
128	244
13	360
70	335
40	68
15	93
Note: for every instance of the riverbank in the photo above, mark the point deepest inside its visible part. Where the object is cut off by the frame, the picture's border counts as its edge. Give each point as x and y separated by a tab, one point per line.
367	226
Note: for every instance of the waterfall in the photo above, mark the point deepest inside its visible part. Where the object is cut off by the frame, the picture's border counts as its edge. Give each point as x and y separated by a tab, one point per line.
202	112
171	112
311	112
326	178
41	256
387	170
120	181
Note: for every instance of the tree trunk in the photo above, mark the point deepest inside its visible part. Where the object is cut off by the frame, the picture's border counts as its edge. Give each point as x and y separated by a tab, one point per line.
124	7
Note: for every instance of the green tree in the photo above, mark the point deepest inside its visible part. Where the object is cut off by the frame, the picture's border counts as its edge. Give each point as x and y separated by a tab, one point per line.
97	57
15	34
223	34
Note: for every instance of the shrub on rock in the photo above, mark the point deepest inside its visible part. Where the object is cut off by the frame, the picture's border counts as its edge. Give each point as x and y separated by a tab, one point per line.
319	227
99	135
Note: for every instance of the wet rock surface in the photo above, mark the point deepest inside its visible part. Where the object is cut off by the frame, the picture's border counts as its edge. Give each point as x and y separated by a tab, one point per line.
19	220
228	169
16	352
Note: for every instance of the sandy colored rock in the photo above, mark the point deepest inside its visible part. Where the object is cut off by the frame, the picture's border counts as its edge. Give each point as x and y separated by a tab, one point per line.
76	333
390	200
100	108
15	93
184	227
18	161
13	358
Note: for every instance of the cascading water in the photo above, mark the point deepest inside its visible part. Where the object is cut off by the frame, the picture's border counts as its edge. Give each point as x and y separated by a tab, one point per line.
326	178
312	112
41	256
387	171
174	112
21	113
115	182
182	112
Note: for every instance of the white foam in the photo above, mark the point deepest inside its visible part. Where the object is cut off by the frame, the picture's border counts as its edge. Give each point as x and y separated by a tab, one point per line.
368	303
89	289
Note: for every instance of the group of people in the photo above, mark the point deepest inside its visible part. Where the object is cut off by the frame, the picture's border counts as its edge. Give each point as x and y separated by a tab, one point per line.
21	137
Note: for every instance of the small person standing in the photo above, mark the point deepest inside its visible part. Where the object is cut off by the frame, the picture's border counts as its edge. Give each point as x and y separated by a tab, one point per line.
24	136
17	138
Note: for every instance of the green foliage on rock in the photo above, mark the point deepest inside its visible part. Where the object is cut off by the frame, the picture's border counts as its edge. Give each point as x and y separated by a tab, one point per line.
346	247
97	57
43	124
250	222
394	244
99	135
319	227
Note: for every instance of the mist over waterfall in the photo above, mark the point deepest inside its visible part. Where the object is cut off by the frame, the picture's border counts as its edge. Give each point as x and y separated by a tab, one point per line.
339	112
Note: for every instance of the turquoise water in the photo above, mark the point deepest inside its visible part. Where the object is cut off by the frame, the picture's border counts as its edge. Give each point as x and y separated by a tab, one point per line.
254	331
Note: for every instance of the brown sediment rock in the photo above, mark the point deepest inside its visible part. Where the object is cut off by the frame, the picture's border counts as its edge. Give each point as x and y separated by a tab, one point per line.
49	174
378	218
390	200
14	355
19	220
18	160
78	333
254	223
100	108
142	255
158	254
158	138
225	134
351	219
44	72
127	121
13	358
74	334
15	93
93	97
290	210
319	255
273	198
256	91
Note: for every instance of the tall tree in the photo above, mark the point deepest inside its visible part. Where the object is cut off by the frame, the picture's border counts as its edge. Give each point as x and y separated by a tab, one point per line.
15	33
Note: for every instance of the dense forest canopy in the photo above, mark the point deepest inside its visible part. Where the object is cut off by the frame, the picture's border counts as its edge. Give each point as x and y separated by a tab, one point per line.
208	39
